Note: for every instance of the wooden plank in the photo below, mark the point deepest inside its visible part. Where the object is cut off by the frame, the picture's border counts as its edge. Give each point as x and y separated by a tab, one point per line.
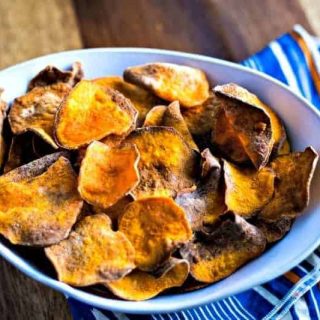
32	28
229	29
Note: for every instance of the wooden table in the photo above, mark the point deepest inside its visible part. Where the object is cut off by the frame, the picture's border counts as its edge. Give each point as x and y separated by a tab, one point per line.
228	29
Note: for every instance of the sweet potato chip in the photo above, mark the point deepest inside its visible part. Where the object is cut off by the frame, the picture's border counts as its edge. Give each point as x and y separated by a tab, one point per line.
167	165
231	245
47	204
239	93
294	173
155	227
171	82
107	174
36	110
285	148
52	75
204	205
3	114
154	116
91	112
93	253
140	285
142	99
274	230
242	131
247	190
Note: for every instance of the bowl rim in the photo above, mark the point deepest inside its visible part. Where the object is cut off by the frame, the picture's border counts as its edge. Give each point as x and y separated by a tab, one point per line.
147	307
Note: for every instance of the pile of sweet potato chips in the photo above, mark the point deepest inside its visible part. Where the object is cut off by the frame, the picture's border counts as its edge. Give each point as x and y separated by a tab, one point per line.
147	182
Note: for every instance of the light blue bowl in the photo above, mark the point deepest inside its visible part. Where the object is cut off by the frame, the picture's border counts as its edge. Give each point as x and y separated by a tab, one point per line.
303	125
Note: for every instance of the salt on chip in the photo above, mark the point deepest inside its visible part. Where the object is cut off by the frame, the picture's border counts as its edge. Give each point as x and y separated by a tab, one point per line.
140	285
239	93
142	99
294	173
108	174
52	75
204	205
47	204
93	253
154	116
155	227
35	111
167	164
90	113
171	82
247	190
242	131
231	245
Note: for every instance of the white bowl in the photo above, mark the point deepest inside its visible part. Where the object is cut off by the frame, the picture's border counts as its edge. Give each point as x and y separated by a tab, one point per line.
301	120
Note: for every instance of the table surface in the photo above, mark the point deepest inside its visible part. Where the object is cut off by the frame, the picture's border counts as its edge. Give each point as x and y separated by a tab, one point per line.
228	29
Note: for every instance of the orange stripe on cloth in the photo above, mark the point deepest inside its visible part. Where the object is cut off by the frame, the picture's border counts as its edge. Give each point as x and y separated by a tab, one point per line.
291	276
309	58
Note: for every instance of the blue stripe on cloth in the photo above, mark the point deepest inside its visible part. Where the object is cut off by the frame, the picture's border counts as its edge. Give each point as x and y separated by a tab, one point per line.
282	59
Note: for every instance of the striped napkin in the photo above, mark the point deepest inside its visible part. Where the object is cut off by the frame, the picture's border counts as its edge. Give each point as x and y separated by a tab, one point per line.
294	59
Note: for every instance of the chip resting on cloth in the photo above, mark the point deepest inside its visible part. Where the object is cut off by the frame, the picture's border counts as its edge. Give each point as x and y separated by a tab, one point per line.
231	245
155	227
142	99
294	173
171	82
140	285
91	112
247	190
242	132
108	174
36	110
93	253
39	202
167	164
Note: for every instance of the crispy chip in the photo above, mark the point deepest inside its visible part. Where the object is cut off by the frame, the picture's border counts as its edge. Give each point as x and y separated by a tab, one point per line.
275	230
108	174
155	227
248	127
47	204
140	285
92	254
239	93
171	82
52	75
294	173
155	116
142	99
204	205
36	110
247	190
167	165
3	114
285	149
90	113
231	245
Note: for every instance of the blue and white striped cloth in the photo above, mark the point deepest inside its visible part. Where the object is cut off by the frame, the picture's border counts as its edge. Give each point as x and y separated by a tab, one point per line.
294	59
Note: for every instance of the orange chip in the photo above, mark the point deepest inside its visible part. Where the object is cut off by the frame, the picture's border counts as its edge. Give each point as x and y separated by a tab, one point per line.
92	254
3	114
231	245
155	227
285	149
90	113
239	93
294	173
204	205
171	82
142	99
36	110
167	165
154	116
52	75
47	206
247	190
242	131
140	285
107	174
